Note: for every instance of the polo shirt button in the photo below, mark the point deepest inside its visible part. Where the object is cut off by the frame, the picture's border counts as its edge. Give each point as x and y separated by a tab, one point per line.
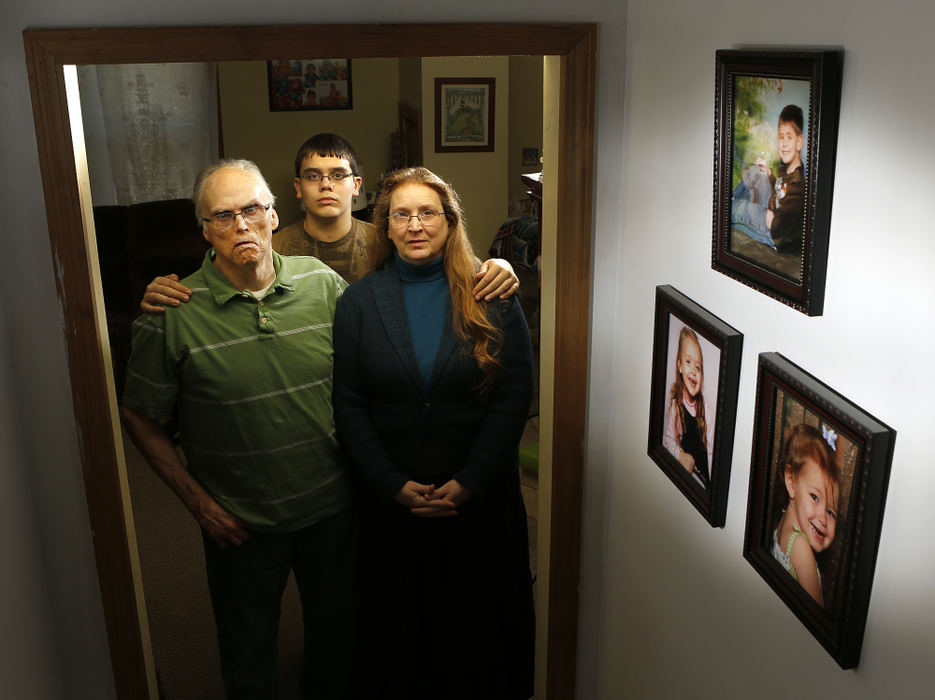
261	303
264	320
245	295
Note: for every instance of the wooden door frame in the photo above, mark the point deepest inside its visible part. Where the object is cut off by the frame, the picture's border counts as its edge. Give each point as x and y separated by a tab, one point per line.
71	238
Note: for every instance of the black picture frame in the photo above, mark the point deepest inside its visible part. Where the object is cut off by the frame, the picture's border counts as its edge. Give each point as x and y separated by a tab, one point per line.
675	311
783	254
309	84
465	115
861	447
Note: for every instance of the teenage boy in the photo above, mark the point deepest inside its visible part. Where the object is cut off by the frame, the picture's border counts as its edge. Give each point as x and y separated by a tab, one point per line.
785	216
327	178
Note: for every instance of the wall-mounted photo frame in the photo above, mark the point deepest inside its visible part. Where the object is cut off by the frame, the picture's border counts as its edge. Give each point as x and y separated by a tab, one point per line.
464	115
531	156
693	400
775	136
818	480
297	85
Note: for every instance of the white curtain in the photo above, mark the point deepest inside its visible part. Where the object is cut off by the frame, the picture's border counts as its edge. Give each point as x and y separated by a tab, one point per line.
149	128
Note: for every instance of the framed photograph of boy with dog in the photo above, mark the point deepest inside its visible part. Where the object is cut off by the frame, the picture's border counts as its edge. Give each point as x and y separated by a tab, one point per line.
818	480
693	404
776	121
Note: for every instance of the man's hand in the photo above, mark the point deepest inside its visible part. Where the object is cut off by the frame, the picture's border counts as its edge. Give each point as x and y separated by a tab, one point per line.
222	527
159	452
495	278
162	292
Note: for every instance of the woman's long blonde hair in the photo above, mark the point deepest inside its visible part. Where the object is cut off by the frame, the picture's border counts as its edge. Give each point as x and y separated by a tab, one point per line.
469	317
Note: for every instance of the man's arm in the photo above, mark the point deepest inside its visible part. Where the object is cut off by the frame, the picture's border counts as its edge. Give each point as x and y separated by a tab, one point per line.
158	450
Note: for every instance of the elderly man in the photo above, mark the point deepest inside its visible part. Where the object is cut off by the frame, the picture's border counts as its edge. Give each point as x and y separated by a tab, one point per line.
247	364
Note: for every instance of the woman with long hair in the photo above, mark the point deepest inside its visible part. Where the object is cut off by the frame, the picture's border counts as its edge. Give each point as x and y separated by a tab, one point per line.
432	391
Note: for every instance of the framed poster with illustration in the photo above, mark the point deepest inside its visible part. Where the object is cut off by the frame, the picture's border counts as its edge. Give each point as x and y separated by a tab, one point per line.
309	84
464	115
693	401
775	135
818	480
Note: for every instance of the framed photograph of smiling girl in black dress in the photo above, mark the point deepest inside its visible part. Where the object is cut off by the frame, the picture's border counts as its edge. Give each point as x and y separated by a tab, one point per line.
818	482
696	369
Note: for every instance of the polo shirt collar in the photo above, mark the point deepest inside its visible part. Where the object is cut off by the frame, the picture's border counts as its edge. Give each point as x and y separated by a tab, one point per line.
223	291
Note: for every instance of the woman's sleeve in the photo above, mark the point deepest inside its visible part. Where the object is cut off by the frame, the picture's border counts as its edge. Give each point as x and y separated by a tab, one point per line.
494	453
357	432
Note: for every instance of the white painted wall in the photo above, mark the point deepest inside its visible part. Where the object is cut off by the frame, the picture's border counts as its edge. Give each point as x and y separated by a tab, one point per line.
682	613
27	642
642	636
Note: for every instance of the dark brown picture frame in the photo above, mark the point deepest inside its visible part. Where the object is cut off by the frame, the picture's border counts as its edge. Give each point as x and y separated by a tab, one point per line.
48	55
293	89
787	397
707	492
473	130
785	256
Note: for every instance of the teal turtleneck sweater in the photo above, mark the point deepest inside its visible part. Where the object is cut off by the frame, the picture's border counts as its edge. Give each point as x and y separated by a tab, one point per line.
426	294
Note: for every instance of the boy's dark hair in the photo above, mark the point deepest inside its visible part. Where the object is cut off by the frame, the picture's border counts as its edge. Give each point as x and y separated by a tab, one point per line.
792	114
326	145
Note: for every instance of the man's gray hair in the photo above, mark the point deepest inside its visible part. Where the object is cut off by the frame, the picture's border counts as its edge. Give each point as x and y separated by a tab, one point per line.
242	164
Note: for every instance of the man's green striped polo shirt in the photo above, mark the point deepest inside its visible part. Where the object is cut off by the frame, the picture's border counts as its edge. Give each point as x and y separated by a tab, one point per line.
252	382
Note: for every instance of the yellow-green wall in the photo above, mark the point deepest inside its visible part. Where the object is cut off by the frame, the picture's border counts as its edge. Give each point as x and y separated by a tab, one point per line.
485	181
480	178
525	117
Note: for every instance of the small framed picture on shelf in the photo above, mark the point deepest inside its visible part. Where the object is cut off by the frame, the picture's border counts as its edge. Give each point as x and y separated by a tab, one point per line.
693	401
775	135
818	480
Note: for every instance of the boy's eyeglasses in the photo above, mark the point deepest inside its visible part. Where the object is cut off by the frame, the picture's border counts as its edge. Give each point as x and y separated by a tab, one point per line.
428	217
252	214
320	177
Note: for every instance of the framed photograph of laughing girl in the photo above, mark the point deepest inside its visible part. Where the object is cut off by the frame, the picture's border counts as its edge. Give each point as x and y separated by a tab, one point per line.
775	134
693	403
818	480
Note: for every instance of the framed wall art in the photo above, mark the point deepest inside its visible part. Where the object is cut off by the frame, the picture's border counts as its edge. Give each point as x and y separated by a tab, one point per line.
309	84
818	480
693	400
464	114
775	135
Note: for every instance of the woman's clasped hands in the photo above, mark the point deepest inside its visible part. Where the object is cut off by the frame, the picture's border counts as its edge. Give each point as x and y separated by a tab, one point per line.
427	501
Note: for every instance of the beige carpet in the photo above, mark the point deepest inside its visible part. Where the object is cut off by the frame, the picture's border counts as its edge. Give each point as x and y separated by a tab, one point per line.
180	620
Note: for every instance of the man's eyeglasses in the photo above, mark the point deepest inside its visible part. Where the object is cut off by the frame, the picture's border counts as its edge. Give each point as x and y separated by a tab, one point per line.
399	219
252	214
336	176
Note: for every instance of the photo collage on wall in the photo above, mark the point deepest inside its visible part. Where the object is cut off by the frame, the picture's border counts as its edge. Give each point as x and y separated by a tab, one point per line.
310	84
820	464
